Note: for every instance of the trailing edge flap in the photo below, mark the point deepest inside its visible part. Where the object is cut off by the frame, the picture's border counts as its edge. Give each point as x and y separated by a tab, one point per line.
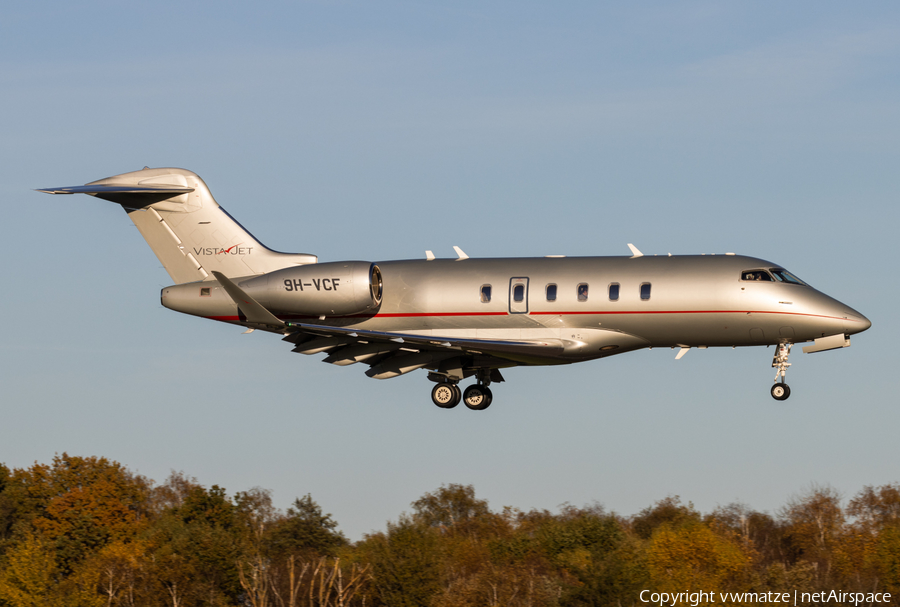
127	195
251	308
435	342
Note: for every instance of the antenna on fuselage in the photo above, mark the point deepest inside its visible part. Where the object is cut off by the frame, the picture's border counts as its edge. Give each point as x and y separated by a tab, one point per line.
634	251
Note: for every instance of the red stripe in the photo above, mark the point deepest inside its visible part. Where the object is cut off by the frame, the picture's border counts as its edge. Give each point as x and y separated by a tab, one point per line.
599	312
419	314
565	313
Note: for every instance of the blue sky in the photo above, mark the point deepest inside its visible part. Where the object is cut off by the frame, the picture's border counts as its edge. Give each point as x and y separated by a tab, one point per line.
376	131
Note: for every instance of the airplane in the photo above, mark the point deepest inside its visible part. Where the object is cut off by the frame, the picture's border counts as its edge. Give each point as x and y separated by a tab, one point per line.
467	318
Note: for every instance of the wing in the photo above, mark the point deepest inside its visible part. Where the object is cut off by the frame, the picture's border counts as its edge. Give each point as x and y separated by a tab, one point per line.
390	354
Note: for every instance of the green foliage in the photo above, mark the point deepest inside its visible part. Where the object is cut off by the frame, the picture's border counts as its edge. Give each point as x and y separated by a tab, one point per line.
451	505
305	530
405	562
669	511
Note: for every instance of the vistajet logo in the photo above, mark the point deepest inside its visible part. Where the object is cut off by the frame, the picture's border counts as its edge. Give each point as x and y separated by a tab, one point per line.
232	250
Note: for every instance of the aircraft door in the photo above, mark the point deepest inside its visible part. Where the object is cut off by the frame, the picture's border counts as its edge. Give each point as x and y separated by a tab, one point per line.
518	295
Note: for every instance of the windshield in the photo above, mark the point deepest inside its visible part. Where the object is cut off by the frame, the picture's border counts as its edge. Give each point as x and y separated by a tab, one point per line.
758	275
782	275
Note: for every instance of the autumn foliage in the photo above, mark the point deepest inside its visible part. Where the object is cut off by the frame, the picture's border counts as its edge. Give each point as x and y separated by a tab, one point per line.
87	531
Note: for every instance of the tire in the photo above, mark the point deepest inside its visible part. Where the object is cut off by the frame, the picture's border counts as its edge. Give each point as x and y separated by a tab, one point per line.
445	396
780	391
477	398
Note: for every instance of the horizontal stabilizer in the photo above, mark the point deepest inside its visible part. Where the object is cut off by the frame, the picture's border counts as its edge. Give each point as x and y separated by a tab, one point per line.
184	225
132	196
118	189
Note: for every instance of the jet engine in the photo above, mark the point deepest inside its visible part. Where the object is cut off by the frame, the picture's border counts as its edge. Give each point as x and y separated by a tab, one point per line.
320	289
341	288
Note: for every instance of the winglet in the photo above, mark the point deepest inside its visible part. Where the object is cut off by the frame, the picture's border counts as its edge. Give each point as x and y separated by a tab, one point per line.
634	251
252	309
460	253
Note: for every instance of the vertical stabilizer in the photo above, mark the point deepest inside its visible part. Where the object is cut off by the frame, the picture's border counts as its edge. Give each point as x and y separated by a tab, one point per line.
186	228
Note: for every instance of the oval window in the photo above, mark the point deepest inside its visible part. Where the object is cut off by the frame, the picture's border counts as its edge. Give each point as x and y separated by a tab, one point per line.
485	293
551	292
519	293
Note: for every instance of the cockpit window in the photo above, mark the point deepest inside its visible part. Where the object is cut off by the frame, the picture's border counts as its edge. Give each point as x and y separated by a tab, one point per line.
782	275
758	275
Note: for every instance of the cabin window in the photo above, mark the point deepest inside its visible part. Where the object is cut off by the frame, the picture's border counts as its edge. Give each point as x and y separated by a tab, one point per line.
485	293
582	291
204	292
756	275
551	292
614	291
519	293
782	275
645	291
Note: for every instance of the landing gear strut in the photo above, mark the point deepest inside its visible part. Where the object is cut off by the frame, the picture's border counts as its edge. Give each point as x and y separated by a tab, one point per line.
478	397
781	391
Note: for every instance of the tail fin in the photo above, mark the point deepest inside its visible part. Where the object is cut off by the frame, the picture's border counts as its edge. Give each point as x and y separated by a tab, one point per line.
189	232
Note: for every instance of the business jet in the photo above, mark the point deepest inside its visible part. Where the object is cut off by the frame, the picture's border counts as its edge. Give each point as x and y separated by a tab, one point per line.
468	318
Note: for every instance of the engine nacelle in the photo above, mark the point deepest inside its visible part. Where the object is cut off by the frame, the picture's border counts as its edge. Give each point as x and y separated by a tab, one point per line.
340	288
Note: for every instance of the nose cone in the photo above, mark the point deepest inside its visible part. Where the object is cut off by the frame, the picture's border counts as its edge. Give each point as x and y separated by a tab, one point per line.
854	322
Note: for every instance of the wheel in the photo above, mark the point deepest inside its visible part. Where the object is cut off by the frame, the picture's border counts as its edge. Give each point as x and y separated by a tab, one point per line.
445	396
477	398
781	391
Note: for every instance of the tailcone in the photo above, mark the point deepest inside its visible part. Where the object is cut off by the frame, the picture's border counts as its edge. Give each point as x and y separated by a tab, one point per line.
204	298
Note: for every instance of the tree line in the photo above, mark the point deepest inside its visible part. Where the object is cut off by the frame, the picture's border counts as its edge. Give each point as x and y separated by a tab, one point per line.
86	531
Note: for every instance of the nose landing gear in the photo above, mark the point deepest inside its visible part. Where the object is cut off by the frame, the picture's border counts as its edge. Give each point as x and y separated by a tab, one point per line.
781	391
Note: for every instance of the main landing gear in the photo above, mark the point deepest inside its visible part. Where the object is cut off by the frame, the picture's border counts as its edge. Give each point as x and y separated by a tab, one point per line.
477	397
781	391
446	394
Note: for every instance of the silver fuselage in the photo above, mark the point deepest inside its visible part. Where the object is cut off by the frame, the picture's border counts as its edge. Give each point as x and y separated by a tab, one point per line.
694	301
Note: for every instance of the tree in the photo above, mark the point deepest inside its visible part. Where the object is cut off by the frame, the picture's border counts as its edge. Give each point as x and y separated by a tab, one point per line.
666	511
305	530
80	504
695	557
449	506
405	563
29	575
813	525
875	508
118	573
255	571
